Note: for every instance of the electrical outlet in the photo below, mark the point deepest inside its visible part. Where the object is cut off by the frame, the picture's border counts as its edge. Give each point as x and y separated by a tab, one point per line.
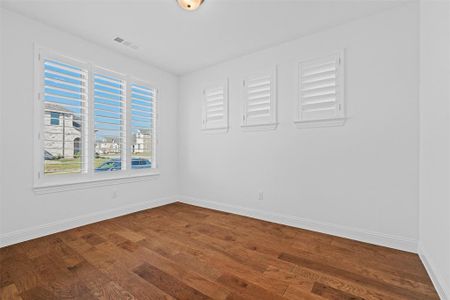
261	196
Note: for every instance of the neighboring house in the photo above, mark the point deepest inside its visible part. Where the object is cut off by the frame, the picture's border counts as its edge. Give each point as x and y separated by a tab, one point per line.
107	145
62	132
142	141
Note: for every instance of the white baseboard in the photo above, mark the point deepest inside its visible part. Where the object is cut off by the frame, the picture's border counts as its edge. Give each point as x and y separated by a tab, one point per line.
436	277
58	226
377	238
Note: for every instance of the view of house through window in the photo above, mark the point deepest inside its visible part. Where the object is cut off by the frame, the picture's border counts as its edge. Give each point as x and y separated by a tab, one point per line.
67	134
109	113
142	113
64	97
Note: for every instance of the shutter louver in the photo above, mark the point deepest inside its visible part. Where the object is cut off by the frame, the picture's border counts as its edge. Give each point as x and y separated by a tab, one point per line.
259	107
214	104
142	125
215	107
321	89
65	96
258	98
109	121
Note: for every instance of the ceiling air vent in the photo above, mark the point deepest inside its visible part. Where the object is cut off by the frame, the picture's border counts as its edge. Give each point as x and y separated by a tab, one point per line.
126	43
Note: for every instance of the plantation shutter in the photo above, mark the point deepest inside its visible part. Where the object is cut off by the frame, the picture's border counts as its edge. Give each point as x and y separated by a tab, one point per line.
143	121
109	120
321	88
259	107
64	92
215	106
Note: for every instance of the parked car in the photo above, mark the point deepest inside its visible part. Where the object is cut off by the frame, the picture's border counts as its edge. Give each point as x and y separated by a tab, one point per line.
140	163
116	164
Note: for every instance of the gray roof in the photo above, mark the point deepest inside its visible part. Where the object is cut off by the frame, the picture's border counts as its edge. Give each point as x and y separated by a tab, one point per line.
57	108
109	140
60	109
145	131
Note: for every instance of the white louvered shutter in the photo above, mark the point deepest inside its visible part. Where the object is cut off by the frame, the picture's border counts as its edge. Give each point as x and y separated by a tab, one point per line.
259	99
143	122
109	120
215	106
64	93
321	89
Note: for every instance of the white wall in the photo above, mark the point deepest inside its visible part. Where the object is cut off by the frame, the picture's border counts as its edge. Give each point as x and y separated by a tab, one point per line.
359	180
25	214
435	141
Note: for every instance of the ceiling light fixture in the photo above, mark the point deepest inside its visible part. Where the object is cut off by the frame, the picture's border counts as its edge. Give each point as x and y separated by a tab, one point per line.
190	4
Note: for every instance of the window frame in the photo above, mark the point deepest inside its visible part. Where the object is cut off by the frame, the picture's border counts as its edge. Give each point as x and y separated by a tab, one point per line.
91	116
87	177
271	122
341	117
216	127
52	119
134	80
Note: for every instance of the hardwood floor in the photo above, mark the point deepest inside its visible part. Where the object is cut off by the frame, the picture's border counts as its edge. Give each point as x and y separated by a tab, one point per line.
180	251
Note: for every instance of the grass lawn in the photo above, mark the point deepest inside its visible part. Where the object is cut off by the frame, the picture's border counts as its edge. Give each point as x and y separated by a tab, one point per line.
73	165
68	165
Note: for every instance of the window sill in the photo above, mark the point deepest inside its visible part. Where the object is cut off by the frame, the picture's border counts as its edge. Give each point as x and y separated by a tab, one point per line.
215	130
320	123
259	127
71	185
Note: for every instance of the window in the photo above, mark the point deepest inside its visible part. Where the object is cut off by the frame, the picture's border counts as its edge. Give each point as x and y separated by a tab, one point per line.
321	92
54	118
215	107
109	119
142	125
92	122
259	100
63	94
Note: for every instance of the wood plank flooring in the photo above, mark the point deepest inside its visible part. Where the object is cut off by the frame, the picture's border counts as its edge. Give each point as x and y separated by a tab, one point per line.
180	251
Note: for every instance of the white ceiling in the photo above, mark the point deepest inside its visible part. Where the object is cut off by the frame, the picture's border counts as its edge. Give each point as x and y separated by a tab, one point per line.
180	41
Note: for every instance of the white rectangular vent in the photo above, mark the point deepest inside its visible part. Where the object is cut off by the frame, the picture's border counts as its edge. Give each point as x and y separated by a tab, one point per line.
321	89
215	106
126	43
259	99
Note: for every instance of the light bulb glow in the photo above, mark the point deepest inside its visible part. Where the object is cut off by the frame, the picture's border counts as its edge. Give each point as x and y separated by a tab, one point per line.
190	4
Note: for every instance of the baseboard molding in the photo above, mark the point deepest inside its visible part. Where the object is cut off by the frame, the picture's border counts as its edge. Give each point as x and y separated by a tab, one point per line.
438	280
58	226
377	238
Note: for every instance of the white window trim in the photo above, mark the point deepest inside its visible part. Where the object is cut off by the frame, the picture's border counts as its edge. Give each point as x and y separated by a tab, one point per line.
329	122
220	128
57	183
271	124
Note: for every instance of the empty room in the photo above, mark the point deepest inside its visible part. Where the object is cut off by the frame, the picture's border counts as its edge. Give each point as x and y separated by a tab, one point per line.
225	149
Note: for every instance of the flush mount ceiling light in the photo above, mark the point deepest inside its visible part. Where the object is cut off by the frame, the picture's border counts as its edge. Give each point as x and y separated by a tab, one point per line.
190	4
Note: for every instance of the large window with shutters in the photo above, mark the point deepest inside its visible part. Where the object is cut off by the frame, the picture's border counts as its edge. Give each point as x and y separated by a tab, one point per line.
91	123
321	91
